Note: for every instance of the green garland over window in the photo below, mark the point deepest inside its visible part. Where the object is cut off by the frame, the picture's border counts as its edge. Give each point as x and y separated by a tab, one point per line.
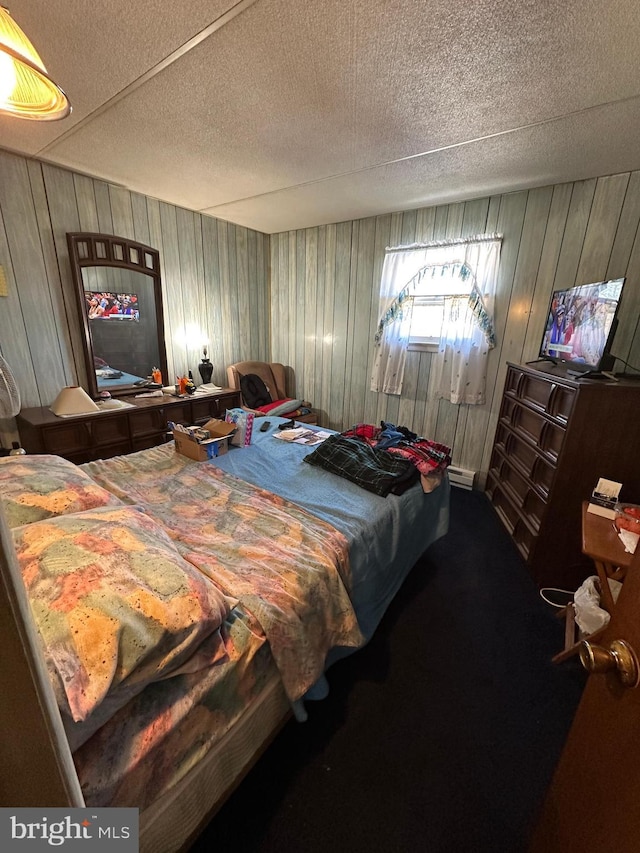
476	302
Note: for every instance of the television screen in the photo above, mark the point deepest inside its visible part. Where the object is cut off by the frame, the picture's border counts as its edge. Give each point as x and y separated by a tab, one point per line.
581	323
112	306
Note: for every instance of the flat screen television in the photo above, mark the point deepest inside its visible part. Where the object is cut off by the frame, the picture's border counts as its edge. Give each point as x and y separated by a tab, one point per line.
580	326
112	306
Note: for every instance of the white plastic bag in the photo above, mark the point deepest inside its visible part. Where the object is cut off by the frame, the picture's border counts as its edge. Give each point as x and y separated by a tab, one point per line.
590	616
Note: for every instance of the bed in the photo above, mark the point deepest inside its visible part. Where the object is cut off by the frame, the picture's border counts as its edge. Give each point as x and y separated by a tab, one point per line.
220	592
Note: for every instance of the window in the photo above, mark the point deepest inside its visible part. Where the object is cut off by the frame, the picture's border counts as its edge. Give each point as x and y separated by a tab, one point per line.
426	321
438	296
427	317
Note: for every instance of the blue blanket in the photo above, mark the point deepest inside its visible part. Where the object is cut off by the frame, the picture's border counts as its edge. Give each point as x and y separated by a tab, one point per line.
386	535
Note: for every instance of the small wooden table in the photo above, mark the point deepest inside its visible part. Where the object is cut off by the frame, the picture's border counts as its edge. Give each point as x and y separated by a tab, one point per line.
601	542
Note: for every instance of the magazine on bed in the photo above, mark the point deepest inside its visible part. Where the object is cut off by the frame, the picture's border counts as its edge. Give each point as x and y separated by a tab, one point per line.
301	435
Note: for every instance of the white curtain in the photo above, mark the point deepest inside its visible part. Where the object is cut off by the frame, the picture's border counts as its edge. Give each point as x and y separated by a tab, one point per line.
395	323
467	333
468	320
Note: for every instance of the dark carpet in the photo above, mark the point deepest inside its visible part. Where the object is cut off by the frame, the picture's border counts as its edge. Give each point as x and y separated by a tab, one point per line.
441	735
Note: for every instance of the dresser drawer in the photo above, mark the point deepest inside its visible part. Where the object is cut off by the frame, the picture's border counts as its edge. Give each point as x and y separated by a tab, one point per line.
522	493
561	402
525	540
527	423
120	448
512	518
526	458
536	391
146	421
542	475
507	512
179	413
109	430
522	452
503	437
69	438
213	407
509	411
539	431
551	440
533	508
513	382
146	441
513	482
516	463
151	421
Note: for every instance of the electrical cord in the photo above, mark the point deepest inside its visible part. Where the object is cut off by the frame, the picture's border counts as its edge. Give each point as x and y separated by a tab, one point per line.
562	592
626	363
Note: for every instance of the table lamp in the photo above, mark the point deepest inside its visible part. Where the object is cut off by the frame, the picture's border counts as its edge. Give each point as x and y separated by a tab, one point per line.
73	400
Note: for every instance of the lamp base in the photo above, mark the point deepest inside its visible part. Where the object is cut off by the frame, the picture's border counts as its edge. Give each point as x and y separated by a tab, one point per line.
205	369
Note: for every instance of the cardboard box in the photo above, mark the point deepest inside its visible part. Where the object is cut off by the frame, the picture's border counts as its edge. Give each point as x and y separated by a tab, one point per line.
217	445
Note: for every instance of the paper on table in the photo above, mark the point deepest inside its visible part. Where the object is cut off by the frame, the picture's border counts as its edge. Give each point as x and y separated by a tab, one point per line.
629	540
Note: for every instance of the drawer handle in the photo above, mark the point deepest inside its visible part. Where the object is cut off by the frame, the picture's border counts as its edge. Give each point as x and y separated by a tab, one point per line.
508	445
519	384
542	440
537	479
515	416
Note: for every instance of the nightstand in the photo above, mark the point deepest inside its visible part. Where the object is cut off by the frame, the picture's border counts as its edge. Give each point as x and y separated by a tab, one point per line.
601	542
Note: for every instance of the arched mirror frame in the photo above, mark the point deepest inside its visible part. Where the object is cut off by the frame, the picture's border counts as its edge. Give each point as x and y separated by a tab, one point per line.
87	250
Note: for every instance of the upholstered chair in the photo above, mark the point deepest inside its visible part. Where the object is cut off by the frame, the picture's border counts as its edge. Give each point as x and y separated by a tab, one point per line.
273	375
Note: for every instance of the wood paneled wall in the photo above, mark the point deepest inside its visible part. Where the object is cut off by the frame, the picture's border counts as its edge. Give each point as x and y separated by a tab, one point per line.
307	298
214	276
325	290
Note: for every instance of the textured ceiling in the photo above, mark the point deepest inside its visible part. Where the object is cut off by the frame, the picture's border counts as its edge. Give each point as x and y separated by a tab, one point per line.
282	114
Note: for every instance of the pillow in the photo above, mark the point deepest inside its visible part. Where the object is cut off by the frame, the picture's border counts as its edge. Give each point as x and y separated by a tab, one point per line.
281	407
36	487
116	605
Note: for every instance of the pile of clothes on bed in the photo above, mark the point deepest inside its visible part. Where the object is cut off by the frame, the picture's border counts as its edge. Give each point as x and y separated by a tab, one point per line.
384	460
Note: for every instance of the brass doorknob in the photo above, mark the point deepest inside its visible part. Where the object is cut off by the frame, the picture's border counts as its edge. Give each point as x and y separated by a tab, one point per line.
619	657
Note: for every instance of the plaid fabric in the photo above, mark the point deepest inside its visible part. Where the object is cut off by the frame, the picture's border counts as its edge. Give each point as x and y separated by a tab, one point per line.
428	456
374	470
369	432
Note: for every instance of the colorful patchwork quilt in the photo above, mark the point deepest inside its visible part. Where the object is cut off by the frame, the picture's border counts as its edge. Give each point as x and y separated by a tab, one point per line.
283	565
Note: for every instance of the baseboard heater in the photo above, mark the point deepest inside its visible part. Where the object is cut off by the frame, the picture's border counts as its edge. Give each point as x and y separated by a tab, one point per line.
461	477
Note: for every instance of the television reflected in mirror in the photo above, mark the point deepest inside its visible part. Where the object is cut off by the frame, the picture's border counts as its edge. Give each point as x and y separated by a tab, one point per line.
104	305
120	302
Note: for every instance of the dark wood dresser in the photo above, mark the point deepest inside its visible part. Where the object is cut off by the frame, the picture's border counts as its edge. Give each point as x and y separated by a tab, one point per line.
83	438
556	436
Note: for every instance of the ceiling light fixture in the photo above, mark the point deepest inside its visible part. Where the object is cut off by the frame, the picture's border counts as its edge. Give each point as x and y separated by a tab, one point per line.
26	90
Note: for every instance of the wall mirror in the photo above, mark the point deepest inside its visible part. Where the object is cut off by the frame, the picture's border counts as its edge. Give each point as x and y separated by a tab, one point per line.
120	303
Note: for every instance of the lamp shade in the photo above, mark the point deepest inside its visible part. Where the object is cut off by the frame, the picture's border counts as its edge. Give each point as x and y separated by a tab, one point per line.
73	400
26	90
